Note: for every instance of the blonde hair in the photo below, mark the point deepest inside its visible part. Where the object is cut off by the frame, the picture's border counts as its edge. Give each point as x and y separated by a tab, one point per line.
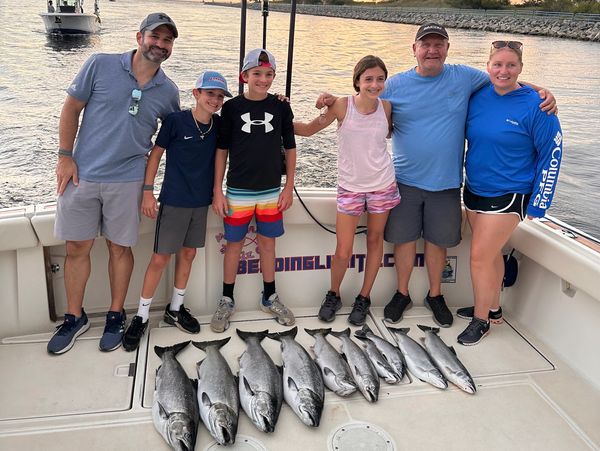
519	53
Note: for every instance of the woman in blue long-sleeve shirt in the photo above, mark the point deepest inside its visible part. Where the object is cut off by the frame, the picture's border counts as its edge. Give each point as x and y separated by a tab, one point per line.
512	164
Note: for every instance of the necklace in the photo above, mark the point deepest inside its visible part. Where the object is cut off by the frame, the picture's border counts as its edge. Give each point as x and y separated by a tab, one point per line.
203	134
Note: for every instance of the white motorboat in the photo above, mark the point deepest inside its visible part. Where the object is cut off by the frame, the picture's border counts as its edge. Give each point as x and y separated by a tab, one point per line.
537	374
69	17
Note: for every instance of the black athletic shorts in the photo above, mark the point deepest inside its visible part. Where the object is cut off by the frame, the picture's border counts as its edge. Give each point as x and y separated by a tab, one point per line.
512	203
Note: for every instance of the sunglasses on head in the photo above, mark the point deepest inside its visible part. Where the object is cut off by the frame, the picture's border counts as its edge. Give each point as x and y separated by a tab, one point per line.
136	96
515	45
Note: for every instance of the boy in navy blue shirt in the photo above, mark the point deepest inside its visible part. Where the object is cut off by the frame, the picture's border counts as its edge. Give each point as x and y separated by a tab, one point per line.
190	139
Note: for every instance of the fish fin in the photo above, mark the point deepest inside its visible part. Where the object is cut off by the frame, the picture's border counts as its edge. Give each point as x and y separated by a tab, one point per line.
205	344
244	335
327	371
205	399
452	349
313	332
286	333
161	411
292	384
341	333
247	386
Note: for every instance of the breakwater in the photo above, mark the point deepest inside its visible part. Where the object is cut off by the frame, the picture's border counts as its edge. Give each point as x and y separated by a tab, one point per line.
585	27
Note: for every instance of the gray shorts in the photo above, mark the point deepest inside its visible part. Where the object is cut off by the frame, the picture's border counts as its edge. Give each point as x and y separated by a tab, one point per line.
178	227
434	215
111	209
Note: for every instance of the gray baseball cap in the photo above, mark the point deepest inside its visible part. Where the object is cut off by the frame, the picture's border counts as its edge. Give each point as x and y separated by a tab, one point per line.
155	20
252	59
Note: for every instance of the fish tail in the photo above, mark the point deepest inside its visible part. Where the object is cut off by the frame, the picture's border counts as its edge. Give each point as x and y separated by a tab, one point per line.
341	333
313	332
286	333
362	333
245	335
176	348
205	344
402	330
435	330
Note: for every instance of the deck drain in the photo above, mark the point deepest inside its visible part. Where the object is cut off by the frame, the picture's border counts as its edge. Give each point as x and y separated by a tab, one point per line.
242	443
361	436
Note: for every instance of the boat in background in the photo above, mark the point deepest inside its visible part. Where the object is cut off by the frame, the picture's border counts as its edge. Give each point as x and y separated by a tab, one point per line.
68	17
537	374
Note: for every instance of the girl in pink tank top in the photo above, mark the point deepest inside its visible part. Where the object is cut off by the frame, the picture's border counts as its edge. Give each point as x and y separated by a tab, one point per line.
366	179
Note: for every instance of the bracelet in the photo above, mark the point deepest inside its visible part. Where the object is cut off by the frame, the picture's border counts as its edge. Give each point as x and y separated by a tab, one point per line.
148	188
65	152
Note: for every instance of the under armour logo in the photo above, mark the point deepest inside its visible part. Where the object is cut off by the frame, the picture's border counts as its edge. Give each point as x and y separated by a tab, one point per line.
248	123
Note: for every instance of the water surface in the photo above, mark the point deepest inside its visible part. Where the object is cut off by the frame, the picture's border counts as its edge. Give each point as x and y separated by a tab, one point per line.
36	69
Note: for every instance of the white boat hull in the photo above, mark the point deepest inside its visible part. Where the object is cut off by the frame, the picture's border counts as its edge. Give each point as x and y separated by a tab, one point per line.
71	23
537	375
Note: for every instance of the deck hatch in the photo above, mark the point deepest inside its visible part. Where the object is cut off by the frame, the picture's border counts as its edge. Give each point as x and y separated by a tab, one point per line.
35	384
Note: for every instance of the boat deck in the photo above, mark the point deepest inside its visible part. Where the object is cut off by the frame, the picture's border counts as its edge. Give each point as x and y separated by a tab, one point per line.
526	399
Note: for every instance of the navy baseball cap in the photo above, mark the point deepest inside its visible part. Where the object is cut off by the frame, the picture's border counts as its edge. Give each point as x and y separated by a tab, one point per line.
212	80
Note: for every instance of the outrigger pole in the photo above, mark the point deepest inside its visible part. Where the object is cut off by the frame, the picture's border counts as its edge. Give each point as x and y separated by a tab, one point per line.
288	79
242	42
265	14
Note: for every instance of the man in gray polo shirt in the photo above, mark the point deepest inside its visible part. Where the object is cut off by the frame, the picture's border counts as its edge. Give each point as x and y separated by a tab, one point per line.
100	174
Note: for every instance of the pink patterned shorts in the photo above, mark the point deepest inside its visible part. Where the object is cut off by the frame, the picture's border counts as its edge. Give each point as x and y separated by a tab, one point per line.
355	204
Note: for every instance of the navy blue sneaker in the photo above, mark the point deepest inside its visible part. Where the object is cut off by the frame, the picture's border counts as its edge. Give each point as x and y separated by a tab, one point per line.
474	333
65	335
113	331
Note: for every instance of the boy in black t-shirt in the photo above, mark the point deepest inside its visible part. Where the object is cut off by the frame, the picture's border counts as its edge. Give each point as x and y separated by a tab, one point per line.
253	127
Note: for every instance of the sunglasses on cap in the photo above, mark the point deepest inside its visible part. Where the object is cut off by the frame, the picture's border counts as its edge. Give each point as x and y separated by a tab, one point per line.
515	45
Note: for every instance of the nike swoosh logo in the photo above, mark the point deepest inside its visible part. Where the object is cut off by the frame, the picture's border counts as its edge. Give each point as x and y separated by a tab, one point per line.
187	137
146	305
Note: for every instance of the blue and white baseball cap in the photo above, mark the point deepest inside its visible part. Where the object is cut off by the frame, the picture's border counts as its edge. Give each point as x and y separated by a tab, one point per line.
212	80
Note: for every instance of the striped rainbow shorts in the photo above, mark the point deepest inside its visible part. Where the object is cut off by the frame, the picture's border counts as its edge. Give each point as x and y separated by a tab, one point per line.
243	204
374	202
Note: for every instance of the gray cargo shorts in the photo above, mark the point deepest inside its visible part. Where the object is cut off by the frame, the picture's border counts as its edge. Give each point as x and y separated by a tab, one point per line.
178	227
434	215
111	209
